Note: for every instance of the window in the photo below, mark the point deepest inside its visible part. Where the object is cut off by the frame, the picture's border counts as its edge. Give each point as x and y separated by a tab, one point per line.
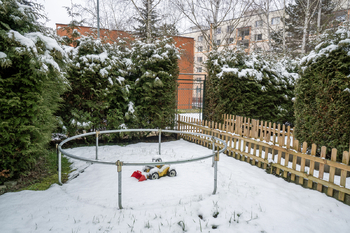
218	31
230	29
229	40
244	44
258	23
200	38
257	49
218	42
208	48
258	37
199	59
243	33
200	48
198	89
275	20
199	69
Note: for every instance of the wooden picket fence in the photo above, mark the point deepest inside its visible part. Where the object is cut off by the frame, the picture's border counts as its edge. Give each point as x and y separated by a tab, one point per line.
273	147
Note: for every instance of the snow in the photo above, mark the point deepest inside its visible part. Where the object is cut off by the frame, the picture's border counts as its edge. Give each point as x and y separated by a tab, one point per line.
2	55
247	200
120	79
131	107
22	39
50	43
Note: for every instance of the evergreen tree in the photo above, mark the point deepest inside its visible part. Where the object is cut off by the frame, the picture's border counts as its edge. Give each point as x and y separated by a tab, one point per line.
31	81
72	28
323	93
250	86
148	19
295	23
168	30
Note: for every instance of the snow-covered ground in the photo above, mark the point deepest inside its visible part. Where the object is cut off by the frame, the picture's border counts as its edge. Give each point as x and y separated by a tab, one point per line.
247	199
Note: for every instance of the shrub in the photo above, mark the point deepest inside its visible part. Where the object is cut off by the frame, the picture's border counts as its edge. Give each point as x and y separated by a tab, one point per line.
116	86
323	93
31	83
248	85
154	84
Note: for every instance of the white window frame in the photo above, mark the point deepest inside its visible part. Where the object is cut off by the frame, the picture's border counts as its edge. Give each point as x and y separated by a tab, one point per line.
259	23
275	20
256	36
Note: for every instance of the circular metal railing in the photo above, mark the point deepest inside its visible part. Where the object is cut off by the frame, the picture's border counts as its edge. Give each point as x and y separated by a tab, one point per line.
119	164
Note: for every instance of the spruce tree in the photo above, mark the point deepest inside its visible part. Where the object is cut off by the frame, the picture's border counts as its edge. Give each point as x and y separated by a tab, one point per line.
31	81
147	12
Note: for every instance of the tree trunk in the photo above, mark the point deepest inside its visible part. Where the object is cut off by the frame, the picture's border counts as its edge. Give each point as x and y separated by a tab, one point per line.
303	45
268	24
215	25
148	24
319	18
284	28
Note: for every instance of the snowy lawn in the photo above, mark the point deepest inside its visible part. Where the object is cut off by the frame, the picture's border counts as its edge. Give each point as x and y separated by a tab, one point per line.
247	199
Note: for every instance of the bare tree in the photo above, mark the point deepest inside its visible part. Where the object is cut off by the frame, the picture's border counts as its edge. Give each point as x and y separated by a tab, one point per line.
208	16
114	14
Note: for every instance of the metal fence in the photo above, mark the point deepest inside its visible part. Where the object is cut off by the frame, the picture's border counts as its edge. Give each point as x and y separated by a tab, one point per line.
191	95
120	164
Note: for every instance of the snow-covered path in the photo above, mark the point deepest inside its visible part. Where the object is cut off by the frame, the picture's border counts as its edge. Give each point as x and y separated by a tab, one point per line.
247	199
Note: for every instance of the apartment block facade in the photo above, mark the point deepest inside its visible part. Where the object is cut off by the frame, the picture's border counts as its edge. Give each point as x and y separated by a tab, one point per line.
249	32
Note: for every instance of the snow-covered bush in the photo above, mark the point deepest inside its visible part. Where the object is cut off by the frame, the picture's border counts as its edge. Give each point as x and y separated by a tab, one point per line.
97	99
120	86
153	75
322	103
249	85
31	83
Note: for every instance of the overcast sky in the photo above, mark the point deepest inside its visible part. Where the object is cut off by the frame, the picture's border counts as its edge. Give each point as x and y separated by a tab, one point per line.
55	11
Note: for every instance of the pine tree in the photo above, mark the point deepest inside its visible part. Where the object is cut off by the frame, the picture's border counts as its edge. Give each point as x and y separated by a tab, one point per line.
148	19
31	81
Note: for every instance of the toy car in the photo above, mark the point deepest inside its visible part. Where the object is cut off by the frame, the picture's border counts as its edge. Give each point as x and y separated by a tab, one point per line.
154	172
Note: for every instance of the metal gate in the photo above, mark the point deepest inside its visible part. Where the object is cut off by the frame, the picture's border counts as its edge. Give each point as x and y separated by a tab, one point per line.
191	95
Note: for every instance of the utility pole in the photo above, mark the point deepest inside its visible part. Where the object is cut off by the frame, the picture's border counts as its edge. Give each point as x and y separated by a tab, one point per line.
98	19
319	18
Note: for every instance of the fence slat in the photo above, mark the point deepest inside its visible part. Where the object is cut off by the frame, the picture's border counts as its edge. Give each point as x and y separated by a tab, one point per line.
248	145
274	134
294	165
283	135
312	165
332	172
321	167
343	175
302	163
